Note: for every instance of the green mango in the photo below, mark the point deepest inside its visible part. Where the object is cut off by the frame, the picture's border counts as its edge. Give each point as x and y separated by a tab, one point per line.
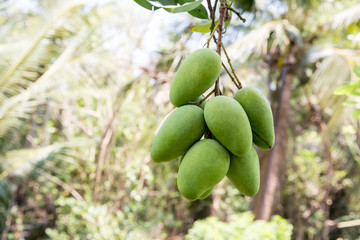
244	172
206	194
259	112
181	129
195	75
204	165
228	122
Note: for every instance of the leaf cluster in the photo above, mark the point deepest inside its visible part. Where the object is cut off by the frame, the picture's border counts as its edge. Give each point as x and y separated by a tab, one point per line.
193	7
351	90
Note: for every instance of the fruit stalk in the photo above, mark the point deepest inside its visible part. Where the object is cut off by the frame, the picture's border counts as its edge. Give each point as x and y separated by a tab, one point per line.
233	78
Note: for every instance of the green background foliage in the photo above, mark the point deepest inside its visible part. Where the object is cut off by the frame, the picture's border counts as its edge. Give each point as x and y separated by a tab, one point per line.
84	86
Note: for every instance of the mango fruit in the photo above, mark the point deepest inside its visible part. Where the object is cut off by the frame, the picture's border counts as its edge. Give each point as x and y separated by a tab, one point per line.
204	165
259	112
181	129
195	75
206	194
244	172
229	124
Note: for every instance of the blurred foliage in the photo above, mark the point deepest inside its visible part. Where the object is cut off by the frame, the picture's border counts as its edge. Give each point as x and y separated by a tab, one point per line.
240	226
352	90
80	101
83	220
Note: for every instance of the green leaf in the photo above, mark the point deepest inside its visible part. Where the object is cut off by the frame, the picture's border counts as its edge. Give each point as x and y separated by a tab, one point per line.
183	8
181	2
356	113
5	193
170	6
355	93
165	2
203	27
199	12
356	84
356	70
343	90
340	174
348	89
349	103
146	4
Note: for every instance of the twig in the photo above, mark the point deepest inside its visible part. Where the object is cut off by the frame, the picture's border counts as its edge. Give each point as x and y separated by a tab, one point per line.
237	13
231	66
232	78
104	147
215	5
206	97
211	35
351	223
108	135
213	19
210	9
64	185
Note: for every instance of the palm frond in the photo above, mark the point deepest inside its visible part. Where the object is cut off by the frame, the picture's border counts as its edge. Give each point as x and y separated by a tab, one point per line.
20	96
270	36
27	64
346	17
20	105
12	114
317	53
333	72
23	161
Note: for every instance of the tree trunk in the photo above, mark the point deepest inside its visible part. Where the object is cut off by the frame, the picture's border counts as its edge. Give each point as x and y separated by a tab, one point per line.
271	166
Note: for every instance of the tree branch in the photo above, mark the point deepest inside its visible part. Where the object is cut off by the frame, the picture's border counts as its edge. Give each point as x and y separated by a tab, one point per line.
222	11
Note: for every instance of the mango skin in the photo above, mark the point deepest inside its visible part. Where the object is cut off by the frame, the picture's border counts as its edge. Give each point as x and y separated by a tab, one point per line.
229	124
259	112
203	166
244	172
181	129
195	75
206	194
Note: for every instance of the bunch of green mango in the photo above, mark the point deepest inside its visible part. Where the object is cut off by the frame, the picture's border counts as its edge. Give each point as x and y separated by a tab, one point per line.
214	138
